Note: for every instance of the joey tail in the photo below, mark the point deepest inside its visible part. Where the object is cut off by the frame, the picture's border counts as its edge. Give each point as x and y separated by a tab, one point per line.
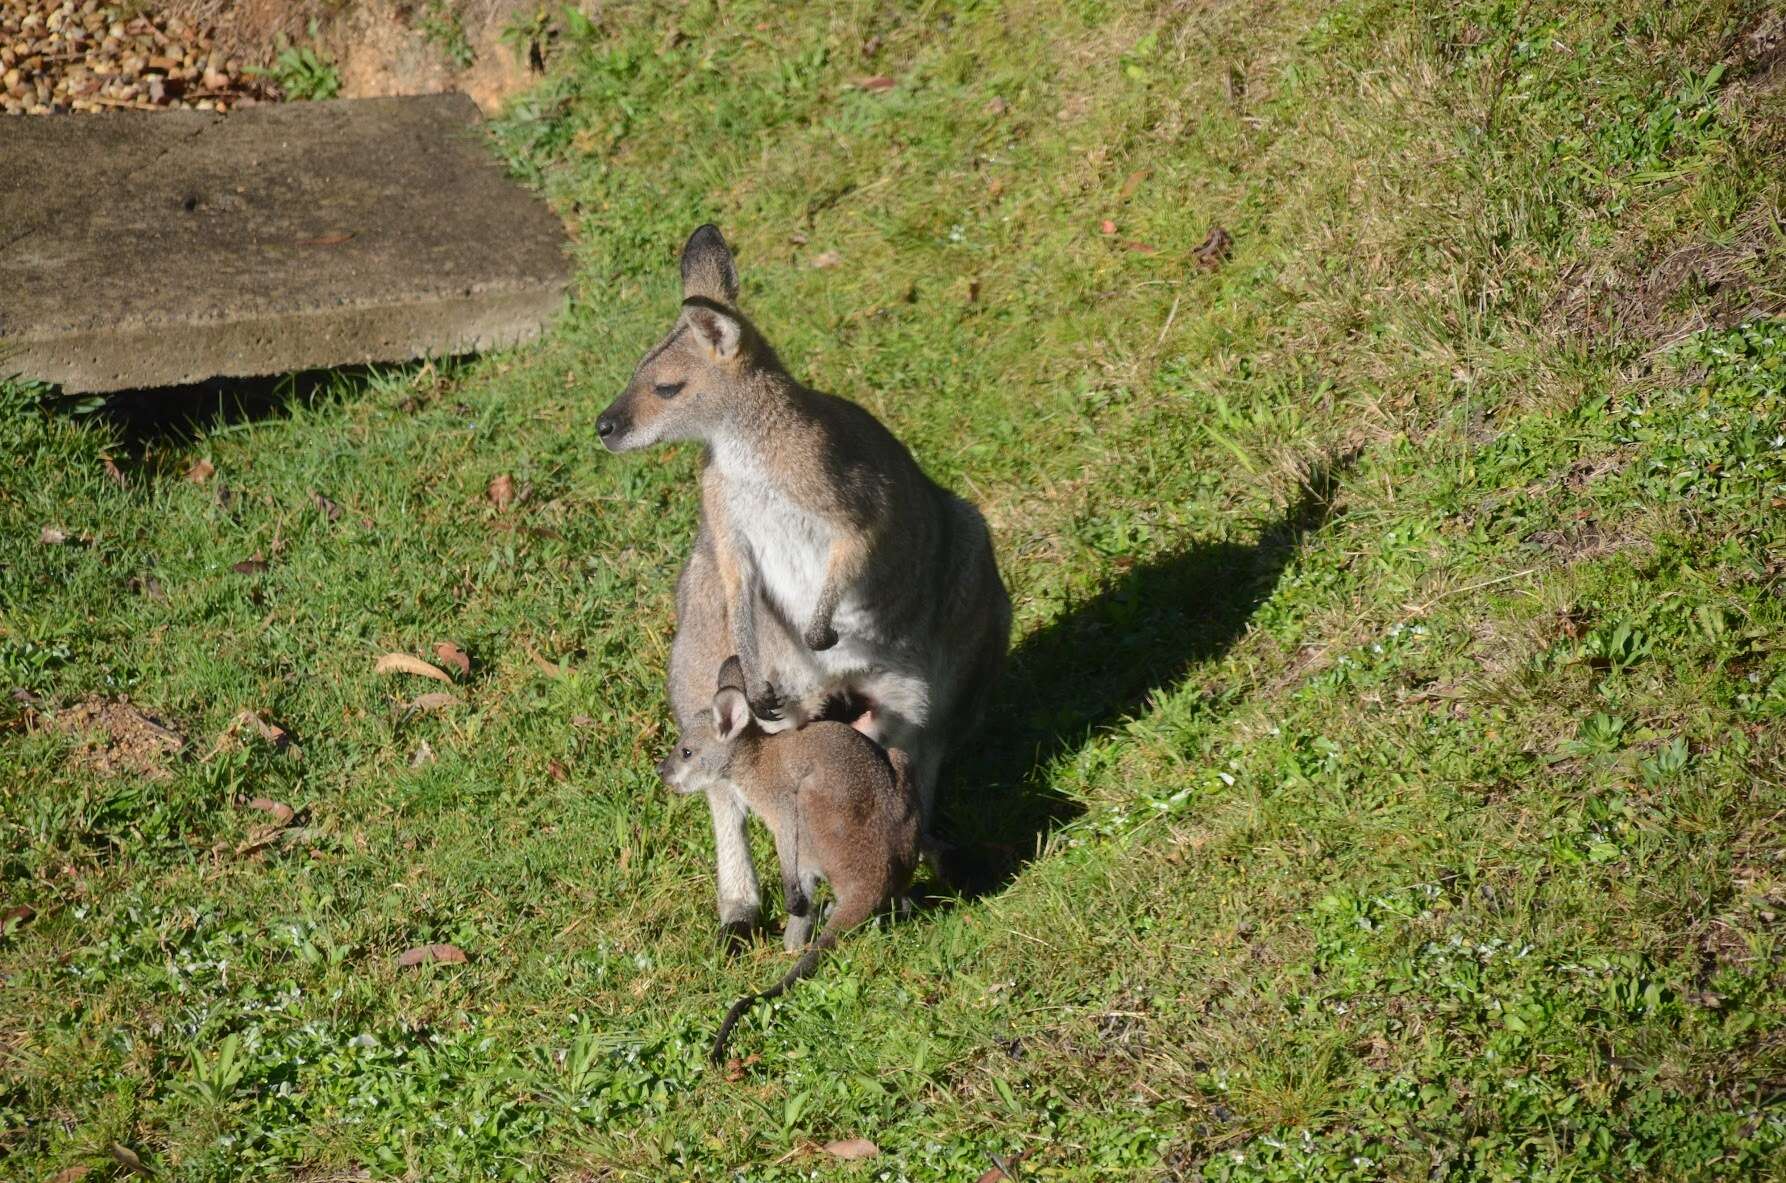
842	919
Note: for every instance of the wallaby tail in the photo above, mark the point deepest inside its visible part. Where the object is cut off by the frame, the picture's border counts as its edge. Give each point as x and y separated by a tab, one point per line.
843	918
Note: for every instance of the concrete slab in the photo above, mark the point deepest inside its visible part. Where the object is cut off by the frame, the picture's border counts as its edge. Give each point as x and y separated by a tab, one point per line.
152	249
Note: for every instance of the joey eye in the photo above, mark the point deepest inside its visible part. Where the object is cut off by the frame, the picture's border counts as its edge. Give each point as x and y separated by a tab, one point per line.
686	754
668	389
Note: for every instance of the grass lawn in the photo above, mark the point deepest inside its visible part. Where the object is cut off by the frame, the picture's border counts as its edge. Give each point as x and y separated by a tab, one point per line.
1392	748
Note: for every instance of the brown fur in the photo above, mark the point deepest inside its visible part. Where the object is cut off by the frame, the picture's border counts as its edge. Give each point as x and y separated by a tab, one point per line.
840	808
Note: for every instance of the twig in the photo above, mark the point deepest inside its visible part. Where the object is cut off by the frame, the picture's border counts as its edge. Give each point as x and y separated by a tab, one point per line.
1170	317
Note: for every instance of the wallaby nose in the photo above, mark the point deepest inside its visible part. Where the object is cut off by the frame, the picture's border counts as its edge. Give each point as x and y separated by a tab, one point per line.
604	426
663	768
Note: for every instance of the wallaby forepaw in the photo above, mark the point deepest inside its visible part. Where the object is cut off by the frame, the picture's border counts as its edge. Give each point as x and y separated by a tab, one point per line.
765	701
820	637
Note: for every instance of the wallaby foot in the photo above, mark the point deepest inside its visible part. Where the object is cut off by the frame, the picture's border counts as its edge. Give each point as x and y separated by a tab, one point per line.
798	934
735	936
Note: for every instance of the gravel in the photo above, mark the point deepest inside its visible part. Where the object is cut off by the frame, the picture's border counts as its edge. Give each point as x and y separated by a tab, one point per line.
58	56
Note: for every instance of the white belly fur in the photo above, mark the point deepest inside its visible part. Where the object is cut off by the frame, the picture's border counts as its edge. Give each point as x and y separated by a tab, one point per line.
790	547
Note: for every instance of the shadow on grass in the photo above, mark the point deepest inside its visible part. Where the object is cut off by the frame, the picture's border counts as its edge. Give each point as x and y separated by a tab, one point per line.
1097	664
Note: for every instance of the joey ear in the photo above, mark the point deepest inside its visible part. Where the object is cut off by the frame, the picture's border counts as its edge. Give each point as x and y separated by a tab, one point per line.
731	714
717	331
707	267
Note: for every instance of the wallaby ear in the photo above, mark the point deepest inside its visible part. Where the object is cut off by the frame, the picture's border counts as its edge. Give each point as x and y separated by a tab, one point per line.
731	714
707	267
717	331
731	674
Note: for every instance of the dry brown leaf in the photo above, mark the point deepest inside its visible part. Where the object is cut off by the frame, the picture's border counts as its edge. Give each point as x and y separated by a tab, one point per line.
253	566
556	770
333	238
1141	248
327	508
501	491
403	663
1131	184
127	1158
735	1067
423	954
548	668
111	470
201	471
70	1174
52	536
434	701
878	84
1215	248
1106	227
850	1149
260	838
282	813
17	914
423	755
826	259
454	656
997	106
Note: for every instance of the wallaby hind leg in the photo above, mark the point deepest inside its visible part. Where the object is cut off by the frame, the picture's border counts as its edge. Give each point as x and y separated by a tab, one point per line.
798	889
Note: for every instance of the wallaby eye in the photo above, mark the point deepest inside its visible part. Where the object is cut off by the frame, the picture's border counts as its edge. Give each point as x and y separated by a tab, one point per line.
686	754
668	389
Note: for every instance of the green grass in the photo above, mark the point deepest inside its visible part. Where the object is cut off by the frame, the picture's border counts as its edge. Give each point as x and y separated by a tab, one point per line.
1393	737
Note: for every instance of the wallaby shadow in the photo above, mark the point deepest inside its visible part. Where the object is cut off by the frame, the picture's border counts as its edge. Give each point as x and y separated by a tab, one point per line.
1096	664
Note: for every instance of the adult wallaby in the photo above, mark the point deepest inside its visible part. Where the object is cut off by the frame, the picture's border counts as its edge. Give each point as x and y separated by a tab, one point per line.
842	810
826	560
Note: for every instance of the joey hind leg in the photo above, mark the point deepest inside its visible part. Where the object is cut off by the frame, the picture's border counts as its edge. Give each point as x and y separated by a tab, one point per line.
740	897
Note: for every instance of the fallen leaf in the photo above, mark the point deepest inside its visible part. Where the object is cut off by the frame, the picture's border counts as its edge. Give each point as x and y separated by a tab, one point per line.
582	721
556	770
403	663
1131	183
454	656
997	106
433	701
282	813
332	238
852	1148
502	491
148	585
735	1067
1214	249
826	259
260	838
201	471
70	1174
423	755
550	670
127	1158
15	915
423	954
1141	248
326	507
992	1176
877	84
51	536
1107	227
252	566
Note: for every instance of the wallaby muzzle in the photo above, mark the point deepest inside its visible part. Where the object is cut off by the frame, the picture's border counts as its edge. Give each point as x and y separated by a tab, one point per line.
615	424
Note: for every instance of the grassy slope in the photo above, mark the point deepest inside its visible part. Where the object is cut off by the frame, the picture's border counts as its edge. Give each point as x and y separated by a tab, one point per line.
1425	828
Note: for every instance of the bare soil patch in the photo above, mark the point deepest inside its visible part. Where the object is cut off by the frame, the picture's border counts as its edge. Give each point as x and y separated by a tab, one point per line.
117	738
